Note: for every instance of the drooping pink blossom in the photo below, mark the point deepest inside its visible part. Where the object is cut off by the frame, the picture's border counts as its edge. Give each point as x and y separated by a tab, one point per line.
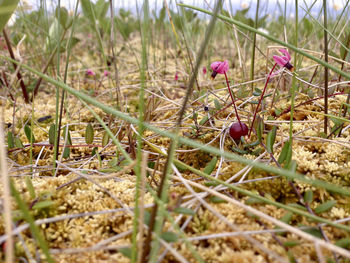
90	72
219	67
106	73
284	61
176	76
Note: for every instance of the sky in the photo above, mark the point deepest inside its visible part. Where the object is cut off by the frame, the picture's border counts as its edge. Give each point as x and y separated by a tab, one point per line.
266	6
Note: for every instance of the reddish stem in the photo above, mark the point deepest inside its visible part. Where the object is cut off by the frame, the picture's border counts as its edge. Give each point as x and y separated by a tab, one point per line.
19	76
233	100
261	98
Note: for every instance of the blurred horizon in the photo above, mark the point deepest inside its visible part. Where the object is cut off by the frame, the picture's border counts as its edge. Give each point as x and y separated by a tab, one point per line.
271	7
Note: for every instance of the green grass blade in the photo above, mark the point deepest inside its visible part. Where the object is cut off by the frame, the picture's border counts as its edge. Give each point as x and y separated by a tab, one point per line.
33	227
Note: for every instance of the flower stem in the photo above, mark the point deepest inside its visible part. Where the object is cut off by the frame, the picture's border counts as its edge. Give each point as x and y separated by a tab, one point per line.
325	68
233	100
261	98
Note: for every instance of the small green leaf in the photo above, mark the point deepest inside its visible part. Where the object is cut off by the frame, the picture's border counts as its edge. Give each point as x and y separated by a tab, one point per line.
253	201
323	135
184	210
253	144
308	196
336	121
239	150
63	16
312	231
18	143
94	151
287	217
209	168
325	206
52	134
10	140
55	32
105	139
66	152
344	243
216	200
217	104
204	120
7	7
292	166
169	236
311	94
284	152
211	183
278	112
270	141
257	92
88	11
29	134
43	204
101	8
30	187
66	132
258	151
291	243
125	251
259	128
89	134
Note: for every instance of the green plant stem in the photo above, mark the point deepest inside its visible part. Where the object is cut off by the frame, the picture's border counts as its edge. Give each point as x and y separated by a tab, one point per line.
114	57
33	227
252	63
6	197
325	69
57	138
270	37
143	70
294	76
163	186
69	47
189	54
44	69
192	143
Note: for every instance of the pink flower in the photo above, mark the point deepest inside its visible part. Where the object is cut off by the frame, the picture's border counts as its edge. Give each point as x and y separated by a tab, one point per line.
90	72
106	73
176	76
219	67
204	70
284	61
